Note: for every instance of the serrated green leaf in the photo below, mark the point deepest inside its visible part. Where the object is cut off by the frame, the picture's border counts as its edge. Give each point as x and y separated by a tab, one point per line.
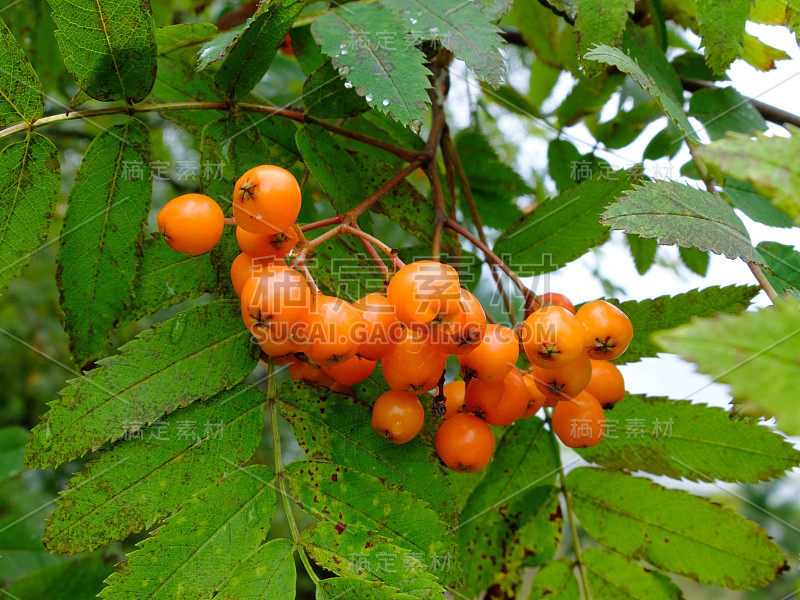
783	264
99	255
109	48
215	50
723	110
666	312
461	27
391	77
21	97
326	97
768	12
332	167
230	146
612	576
12	449
643	252
250	55
177	81
350	588
754	352
636	64
353	552
675	213
176	37
673	530
30	180
494	184
768	163
403	204
555	581
536	541
65	580
331	426
695	260
526	456
195	446
191	357
722	29
760	55
561	229
744	197
198	546
346	497
679	439
166	278
494	9
267	574
600	22
693	66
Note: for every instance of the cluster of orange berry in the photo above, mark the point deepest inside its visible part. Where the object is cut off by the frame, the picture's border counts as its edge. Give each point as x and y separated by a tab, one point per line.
424	317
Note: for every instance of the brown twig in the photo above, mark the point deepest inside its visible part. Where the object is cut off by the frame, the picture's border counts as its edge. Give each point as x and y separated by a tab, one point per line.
351	215
370	248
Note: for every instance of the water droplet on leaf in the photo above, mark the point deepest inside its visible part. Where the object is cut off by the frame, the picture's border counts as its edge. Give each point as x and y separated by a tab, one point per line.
385	103
368	97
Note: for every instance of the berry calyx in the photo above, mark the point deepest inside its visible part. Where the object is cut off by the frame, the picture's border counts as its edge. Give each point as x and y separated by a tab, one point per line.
607	330
552	337
266	200
266	246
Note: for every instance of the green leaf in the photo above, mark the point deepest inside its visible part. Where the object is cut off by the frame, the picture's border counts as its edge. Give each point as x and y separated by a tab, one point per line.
550	37
341	267
195	446
494	185
30	180
760	55
767	162
330	426
527	456
12	449
346	497
643	252
679	439
215	50
754	205
250	55
561	229
555	581
600	22
722	29
267	574
176	37
754	352
99	255
563	162
612	576
460	27
403	204
636	64
167	278
626	126
391	77
109	48
723	110
784	264
231	146
66	580
678	214
353	552
666	312
511	99
21	97
494	9
195	550
673	530
32	25
695	260
191	357
326	97
333	168
350	588
692	65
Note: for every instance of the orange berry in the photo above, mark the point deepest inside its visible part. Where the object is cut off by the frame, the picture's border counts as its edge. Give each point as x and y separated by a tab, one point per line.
499	402
556	299
465	443
351	371
397	416
192	223
422	291
606	384
607	330
552	337
331	331
536	399
382	329
580	422
414	366
266	246
266	199
462	331
242	268
495	356
276	298
454	394
565	382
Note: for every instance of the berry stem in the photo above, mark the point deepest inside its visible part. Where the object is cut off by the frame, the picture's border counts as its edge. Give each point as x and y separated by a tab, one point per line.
437	129
222	106
449	149
323	223
279	474
370	248
530	298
